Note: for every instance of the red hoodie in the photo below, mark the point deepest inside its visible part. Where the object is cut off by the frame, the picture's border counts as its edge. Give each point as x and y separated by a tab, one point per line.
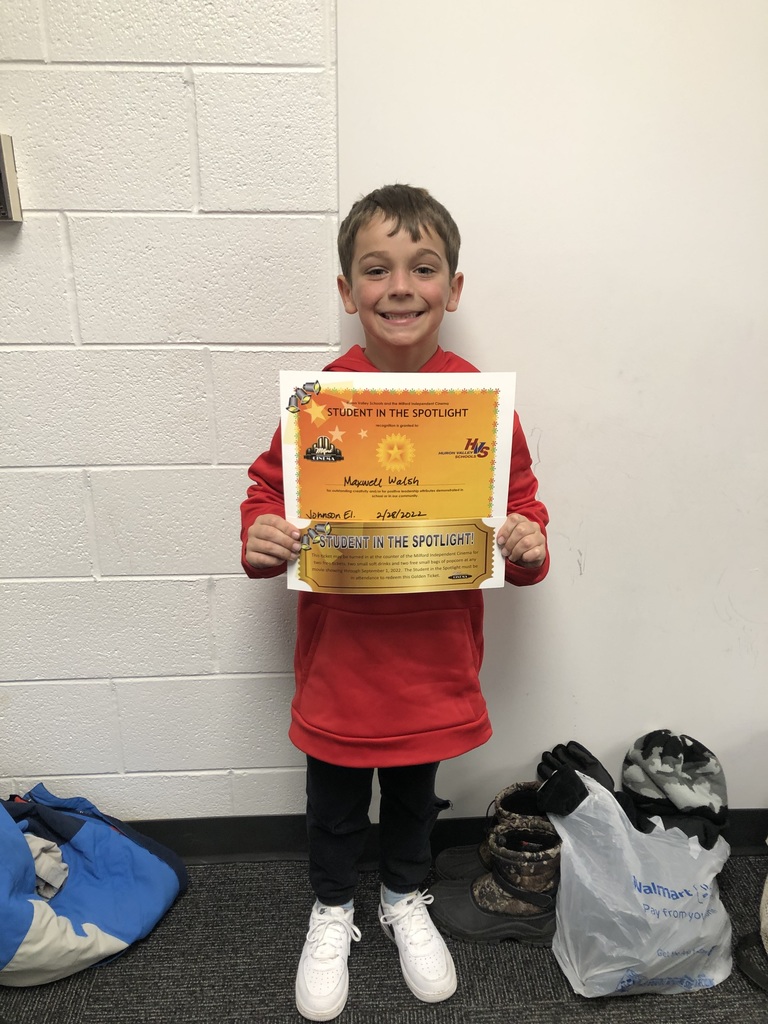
390	679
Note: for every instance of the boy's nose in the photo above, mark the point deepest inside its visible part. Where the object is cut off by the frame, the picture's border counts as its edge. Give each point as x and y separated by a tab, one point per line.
399	282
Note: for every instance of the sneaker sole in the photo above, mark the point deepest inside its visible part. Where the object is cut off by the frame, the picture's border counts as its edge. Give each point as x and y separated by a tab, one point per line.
321	1014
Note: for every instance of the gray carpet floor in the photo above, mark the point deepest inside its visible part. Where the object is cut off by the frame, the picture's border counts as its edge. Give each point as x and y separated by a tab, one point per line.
227	951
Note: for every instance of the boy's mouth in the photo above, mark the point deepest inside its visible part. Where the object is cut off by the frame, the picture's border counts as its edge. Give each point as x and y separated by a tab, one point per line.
399	316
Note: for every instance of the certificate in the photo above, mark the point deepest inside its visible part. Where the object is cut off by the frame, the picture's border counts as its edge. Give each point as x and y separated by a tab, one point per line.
397	481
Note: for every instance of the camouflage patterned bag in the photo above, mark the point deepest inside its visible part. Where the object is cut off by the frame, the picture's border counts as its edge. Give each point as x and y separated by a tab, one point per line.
678	779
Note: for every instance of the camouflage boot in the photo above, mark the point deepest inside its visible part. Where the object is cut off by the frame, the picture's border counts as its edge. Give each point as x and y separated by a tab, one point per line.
515	805
515	899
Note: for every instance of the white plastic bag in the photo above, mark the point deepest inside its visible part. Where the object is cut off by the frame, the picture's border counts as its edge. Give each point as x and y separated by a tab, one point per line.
637	912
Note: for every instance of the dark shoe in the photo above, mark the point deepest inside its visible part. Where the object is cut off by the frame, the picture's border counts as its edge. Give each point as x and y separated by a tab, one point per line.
516	805
514	900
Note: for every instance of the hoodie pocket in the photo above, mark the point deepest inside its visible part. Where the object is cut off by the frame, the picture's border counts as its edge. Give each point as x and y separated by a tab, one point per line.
390	673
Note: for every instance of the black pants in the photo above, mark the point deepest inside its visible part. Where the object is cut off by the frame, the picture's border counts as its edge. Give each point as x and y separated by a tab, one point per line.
338	800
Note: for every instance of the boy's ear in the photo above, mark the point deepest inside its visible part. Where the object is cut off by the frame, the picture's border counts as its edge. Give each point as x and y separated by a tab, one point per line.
345	291
453	299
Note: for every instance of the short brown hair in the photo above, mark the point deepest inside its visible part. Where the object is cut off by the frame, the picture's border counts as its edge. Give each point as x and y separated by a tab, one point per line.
410	208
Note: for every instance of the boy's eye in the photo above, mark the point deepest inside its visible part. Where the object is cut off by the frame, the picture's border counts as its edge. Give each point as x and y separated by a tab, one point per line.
375	272
425	271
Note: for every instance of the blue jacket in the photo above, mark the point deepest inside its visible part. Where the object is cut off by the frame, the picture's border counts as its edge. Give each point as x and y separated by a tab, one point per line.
118	885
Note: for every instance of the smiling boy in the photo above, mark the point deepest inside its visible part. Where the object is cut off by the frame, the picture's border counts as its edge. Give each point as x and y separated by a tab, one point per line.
386	682
400	290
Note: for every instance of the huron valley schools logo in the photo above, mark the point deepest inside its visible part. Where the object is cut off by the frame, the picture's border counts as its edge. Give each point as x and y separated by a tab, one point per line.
473	449
478	448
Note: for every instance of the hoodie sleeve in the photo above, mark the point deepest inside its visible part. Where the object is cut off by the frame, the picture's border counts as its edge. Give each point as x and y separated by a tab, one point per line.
264	496
523	487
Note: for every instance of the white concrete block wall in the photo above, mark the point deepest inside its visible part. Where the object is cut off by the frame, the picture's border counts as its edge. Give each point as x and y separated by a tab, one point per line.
268	32
220	280
287	114
69	406
20	38
44	525
34	306
177	169
99	139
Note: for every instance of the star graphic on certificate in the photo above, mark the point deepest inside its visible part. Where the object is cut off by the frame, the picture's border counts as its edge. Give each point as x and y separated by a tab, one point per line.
363	434
336	434
317	412
395	450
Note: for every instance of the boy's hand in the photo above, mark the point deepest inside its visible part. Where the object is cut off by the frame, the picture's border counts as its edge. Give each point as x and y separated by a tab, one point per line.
522	542
271	540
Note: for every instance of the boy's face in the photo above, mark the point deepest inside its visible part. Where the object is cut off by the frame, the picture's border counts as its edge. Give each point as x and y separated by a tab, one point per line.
401	290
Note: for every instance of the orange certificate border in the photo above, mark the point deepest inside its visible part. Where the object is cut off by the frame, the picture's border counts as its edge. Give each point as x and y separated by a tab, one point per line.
391	456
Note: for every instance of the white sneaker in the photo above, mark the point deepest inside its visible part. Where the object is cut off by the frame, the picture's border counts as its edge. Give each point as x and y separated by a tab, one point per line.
424	957
322	981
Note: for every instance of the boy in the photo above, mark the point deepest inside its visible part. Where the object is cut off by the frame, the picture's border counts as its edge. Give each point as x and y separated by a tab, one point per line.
386	681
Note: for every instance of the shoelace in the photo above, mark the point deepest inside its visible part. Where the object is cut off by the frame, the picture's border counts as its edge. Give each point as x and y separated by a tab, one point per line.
327	935
413	916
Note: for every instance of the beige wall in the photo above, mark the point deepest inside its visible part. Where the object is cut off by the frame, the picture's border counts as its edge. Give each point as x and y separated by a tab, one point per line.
606	162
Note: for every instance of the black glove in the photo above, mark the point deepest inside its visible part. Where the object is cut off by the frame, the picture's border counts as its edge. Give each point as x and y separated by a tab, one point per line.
573	755
562	792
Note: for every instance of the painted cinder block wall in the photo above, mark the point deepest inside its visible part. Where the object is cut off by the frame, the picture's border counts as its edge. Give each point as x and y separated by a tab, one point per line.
177	171
179	176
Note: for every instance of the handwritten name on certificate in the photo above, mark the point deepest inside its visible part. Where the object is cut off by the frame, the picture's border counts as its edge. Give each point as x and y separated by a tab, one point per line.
398	481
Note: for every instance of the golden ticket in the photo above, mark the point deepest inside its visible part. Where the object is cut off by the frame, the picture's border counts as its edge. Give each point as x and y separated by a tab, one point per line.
397	481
